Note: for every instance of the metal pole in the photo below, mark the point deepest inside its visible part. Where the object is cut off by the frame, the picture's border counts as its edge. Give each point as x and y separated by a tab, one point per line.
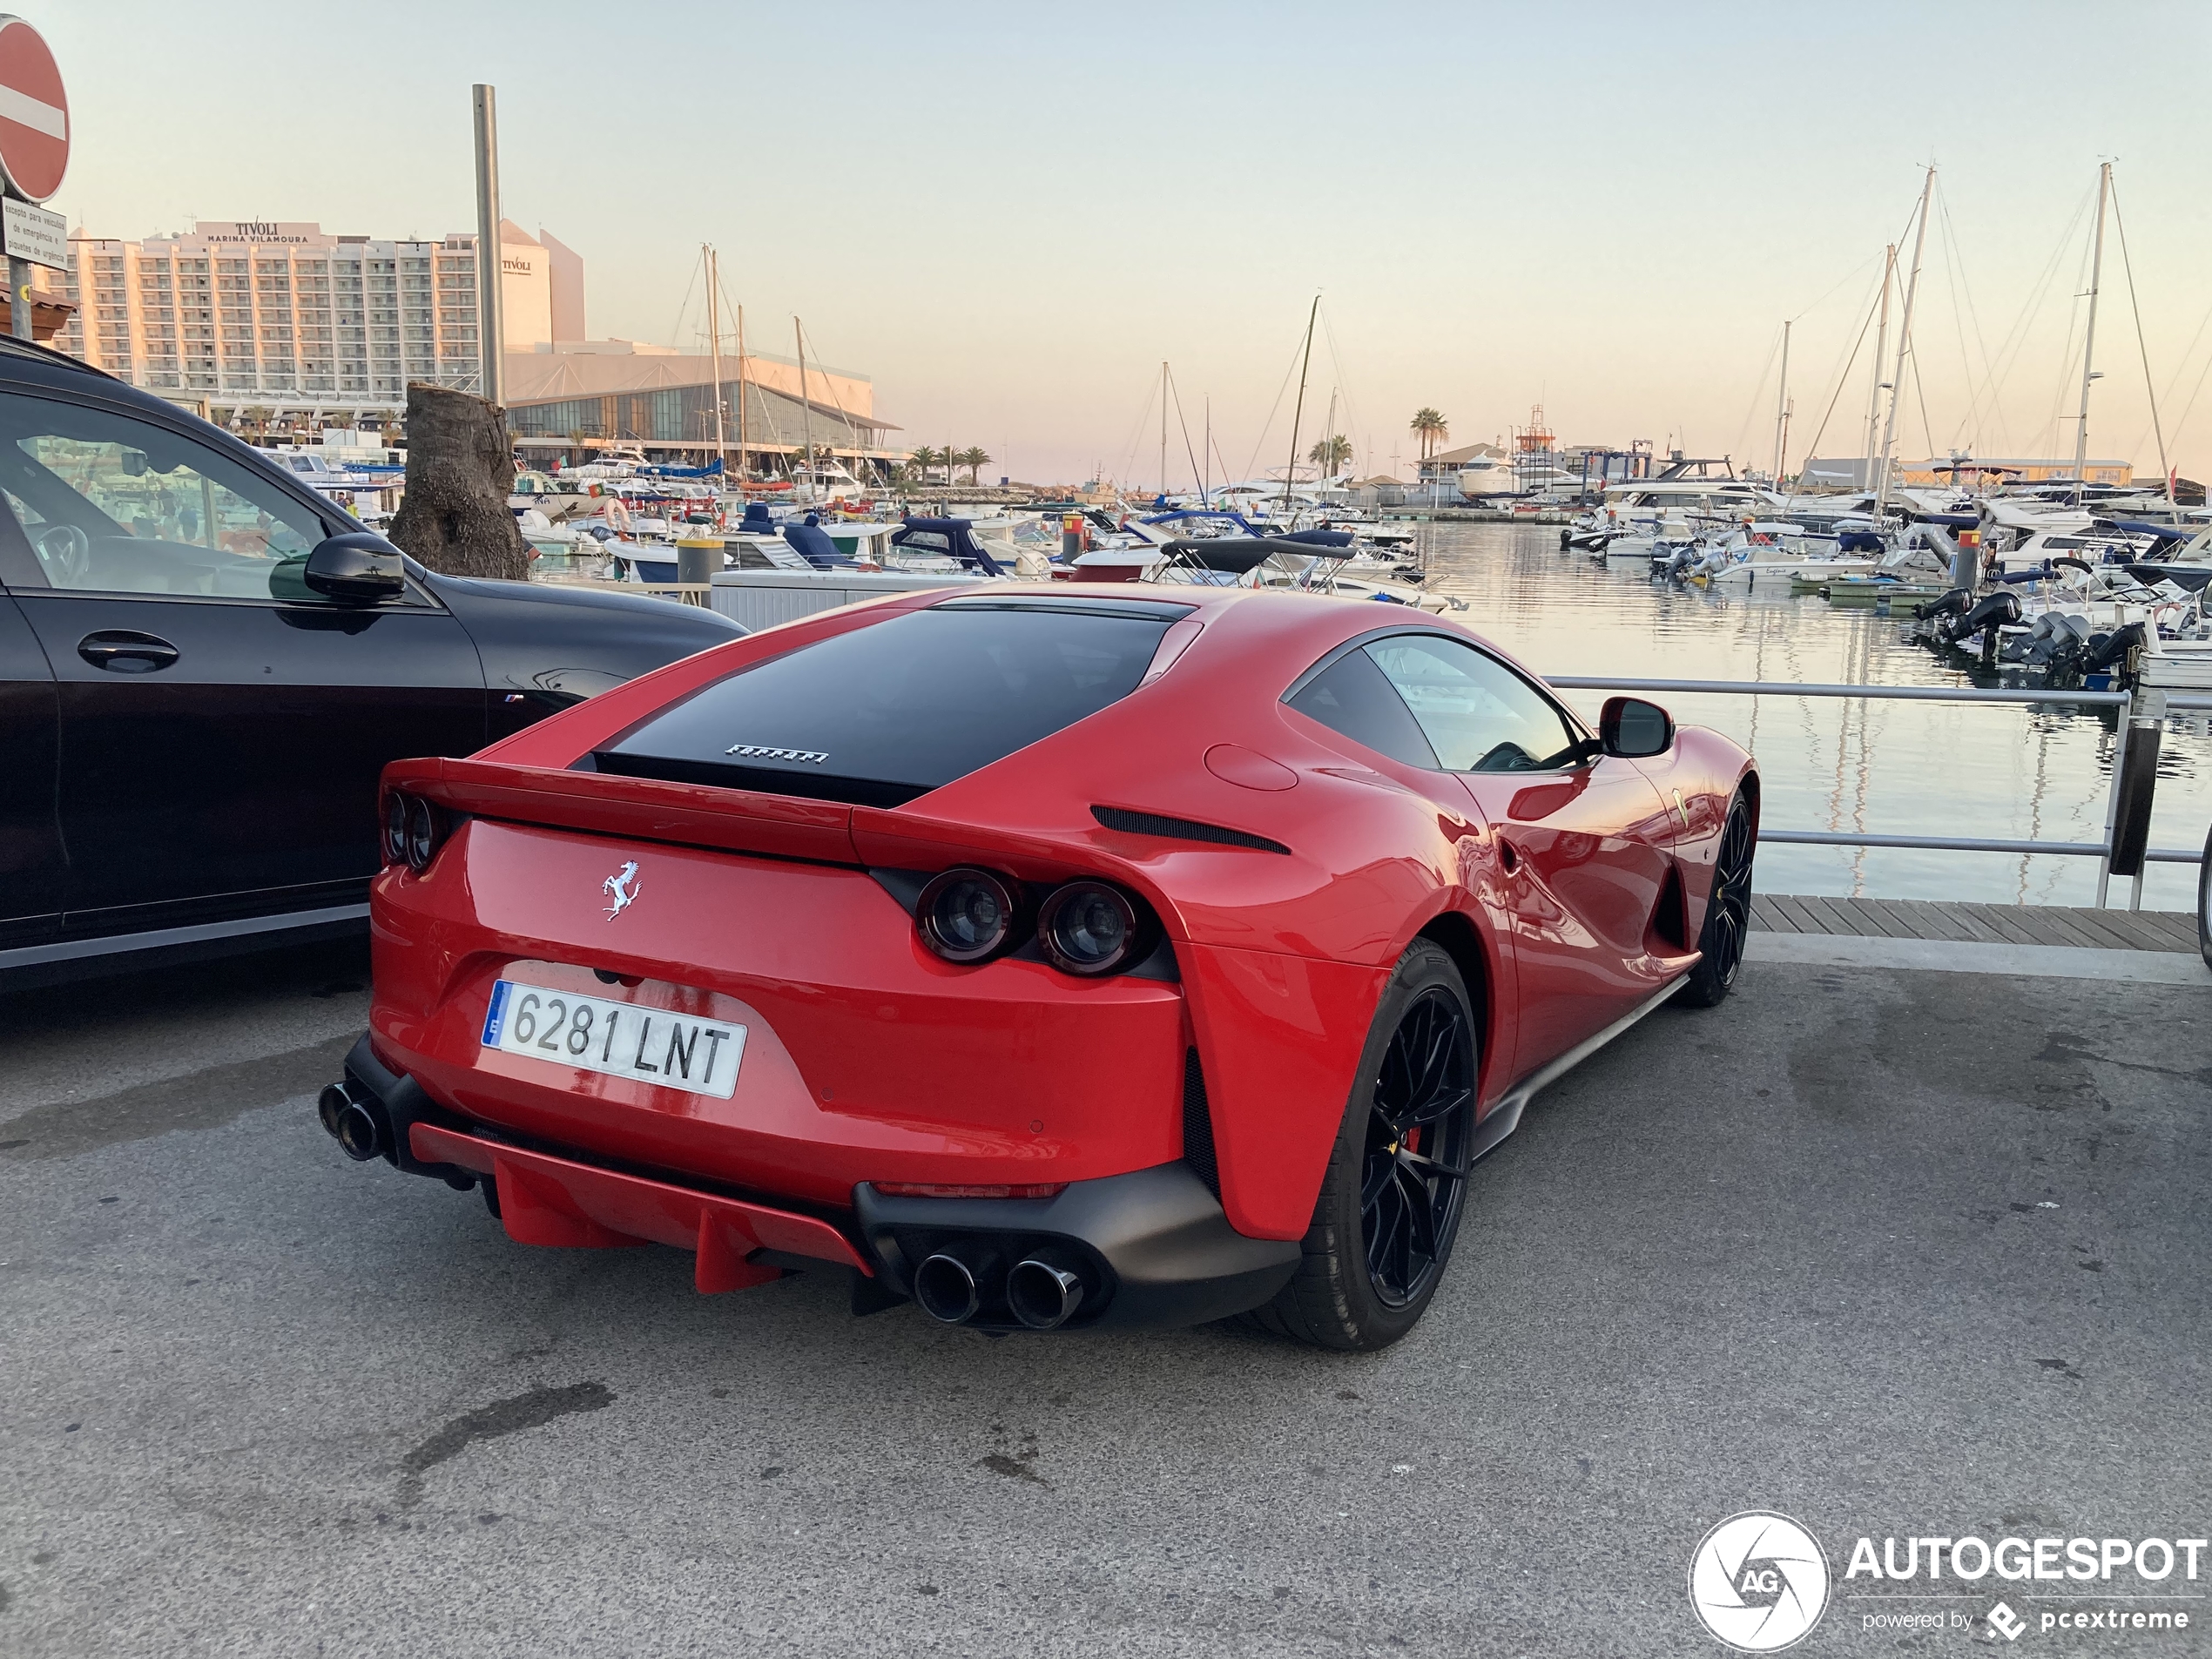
2089	345
491	314
1881	350
1903	345
19	298
1163	430
2112	796
714	336
1781	412
1298	410
807	408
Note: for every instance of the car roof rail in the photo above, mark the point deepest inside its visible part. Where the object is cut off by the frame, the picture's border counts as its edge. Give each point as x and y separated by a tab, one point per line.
11	347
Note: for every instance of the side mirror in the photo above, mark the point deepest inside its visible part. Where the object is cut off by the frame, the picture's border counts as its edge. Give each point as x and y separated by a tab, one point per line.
1633	729
356	568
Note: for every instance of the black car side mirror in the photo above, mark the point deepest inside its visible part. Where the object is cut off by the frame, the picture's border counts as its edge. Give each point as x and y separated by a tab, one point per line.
1633	729
358	568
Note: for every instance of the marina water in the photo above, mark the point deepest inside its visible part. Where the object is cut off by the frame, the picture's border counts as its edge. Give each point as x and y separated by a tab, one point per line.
1885	768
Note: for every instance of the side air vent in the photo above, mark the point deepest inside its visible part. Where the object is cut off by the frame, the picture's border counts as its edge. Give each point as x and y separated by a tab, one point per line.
1198	1125
1181	829
1670	919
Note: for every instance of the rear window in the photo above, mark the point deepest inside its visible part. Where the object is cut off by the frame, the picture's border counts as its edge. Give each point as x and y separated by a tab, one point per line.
884	714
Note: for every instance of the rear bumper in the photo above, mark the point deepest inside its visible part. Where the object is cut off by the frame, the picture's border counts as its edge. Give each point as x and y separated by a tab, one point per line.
1159	1249
1166	1253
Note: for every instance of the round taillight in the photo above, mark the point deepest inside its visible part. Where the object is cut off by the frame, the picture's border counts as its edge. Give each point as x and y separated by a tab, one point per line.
421	834
1088	927
964	915
395	829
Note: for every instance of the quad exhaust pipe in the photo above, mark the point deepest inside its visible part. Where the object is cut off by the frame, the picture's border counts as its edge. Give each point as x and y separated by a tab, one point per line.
1043	1290
358	1126
950	1285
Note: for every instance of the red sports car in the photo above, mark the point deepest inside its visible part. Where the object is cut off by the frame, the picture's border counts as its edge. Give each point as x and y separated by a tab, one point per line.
1056	957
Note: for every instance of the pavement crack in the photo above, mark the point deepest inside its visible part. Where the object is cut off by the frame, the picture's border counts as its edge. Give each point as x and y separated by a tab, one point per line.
198	1100
1013	1469
532	1410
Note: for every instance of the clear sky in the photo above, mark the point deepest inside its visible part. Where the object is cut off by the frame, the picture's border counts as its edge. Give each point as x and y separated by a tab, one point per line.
1008	215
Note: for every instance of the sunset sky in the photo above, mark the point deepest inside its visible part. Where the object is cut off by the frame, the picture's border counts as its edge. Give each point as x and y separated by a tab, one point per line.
1008	215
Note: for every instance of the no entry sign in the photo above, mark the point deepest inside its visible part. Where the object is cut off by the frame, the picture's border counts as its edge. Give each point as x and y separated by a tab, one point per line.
34	113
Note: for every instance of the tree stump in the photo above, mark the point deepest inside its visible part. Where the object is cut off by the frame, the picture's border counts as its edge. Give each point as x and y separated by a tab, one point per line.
459	471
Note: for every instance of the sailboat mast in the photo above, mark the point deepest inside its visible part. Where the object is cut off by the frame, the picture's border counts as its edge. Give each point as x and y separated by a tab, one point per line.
1163	429
1881	350
714	336
1781	406
741	416
1298	410
1205	489
1904	344
805	403
2089	340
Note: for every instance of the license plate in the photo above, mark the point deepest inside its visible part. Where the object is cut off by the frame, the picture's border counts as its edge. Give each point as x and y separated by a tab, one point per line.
620	1039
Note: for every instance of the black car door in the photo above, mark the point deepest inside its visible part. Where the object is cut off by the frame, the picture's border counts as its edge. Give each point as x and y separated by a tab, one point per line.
31	872
222	726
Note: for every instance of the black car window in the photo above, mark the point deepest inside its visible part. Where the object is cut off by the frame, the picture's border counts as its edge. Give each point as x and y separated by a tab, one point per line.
112	504
1351	696
1477	713
884	714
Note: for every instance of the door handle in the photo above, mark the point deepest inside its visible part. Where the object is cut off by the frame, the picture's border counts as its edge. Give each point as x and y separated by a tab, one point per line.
125	651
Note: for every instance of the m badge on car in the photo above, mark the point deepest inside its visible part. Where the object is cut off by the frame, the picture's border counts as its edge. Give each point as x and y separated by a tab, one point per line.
622	885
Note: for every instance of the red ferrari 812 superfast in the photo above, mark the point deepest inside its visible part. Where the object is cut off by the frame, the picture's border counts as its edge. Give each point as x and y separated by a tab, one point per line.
1055	957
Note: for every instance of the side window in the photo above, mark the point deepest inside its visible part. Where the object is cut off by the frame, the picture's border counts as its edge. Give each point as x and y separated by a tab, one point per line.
1351	696
1477	713
110	504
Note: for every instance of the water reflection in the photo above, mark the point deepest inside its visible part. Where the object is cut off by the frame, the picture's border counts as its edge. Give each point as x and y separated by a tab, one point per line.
1889	768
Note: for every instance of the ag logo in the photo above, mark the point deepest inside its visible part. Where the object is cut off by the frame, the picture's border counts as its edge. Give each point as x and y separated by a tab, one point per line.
1759	1582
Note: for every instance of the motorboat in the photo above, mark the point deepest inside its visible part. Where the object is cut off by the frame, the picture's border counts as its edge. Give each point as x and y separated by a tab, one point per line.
1255	561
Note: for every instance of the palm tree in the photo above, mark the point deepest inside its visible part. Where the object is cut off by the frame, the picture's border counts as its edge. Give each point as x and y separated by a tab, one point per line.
1331	455
975	460
924	458
1430	427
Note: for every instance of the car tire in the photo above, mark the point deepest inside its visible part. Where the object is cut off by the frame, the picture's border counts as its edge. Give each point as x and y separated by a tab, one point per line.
1354	1292
1728	912
2204	902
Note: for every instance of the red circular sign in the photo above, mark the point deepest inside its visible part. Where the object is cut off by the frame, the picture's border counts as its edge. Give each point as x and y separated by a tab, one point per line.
34	113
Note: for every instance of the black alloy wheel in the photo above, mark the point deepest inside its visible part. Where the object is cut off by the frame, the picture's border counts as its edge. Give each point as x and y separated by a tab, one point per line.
2204	902
1419	1132
1395	1186
1728	914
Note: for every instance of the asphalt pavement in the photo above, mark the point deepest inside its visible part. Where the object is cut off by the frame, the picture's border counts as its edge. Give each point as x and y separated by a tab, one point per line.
1892	1252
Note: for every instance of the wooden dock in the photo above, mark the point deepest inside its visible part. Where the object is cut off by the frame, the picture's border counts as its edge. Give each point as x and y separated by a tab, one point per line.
1990	924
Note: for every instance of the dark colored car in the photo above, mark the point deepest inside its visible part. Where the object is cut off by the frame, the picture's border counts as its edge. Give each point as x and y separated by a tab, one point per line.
205	665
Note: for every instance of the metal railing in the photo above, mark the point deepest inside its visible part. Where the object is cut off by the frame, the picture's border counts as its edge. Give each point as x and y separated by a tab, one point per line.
2155	705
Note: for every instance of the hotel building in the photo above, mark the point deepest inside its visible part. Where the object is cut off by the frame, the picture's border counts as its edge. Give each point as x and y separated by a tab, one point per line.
264	325
281	317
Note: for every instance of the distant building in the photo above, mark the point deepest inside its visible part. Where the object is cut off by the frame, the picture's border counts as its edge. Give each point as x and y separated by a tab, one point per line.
581	396
310	328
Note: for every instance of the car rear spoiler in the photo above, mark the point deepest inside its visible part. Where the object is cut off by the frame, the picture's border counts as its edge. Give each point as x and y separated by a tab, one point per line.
645	809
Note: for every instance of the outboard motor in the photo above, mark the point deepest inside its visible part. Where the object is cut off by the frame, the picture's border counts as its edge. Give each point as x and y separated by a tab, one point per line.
2115	652
1953	603
1989	618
